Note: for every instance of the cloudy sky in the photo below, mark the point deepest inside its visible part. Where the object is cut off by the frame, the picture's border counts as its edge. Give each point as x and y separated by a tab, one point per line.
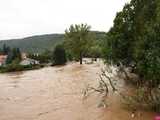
21	18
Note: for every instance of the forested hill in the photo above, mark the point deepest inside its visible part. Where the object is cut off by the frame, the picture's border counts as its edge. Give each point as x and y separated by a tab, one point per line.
40	43
35	43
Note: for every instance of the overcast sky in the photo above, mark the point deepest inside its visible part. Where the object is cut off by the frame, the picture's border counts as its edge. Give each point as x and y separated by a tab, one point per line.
21	18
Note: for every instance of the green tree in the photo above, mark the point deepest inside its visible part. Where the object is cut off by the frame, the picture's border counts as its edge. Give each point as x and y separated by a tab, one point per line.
14	55
59	55
95	52
78	40
133	39
6	49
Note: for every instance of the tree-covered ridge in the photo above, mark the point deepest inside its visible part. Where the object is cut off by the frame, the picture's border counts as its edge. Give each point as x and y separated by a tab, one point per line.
41	43
34	44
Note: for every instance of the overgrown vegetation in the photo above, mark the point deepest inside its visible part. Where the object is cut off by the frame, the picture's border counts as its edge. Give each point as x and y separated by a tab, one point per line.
13	55
134	42
13	60
141	100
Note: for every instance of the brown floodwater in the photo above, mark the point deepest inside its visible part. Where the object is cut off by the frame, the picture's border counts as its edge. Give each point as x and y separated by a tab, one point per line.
55	93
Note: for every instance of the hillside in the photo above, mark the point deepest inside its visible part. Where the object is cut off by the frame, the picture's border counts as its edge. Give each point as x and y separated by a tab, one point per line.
40	43
34	43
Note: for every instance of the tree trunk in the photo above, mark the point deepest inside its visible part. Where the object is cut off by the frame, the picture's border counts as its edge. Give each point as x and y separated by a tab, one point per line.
80	57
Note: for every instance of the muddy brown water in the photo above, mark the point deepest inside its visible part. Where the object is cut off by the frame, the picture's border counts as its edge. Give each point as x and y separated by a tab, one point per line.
55	93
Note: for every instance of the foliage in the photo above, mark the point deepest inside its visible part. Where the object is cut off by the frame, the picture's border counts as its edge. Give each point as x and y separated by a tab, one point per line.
5	49
134	39
39	44
134	42
143	100
59	55
69	56
14	55
95	51
44	57
78	40
34	44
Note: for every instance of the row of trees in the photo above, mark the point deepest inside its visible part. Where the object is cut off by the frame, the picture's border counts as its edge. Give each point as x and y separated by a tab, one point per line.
134	41
79	42
5	50
13	54
57	57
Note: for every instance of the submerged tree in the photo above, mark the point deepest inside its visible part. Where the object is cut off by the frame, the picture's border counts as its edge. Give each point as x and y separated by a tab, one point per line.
78	40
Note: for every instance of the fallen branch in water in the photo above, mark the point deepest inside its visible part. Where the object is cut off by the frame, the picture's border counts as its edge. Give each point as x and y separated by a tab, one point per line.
103	87
109	79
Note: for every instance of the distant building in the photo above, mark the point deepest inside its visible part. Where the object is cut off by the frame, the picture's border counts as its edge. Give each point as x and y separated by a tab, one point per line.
3	59
36	54
29	61
23	56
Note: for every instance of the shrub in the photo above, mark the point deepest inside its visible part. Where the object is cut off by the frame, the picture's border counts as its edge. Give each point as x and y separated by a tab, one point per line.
59	55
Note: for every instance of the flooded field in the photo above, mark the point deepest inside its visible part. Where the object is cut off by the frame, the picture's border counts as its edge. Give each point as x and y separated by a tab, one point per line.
55	93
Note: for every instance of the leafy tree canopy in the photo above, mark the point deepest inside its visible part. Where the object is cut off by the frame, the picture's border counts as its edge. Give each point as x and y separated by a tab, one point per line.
134	39
78	39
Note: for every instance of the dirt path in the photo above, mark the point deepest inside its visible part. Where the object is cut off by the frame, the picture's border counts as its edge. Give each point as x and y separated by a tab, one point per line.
55	93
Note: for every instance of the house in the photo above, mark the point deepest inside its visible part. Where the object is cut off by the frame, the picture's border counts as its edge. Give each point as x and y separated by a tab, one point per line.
3	59
29	61
23	56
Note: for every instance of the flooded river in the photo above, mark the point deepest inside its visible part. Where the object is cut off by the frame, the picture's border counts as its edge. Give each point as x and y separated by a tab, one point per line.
55	93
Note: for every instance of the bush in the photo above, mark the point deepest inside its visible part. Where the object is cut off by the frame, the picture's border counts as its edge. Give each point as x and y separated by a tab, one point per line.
16	67
59	55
